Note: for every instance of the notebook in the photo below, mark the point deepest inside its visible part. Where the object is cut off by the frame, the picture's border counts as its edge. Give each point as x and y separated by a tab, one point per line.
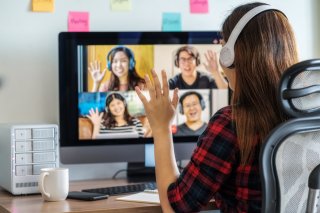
147	196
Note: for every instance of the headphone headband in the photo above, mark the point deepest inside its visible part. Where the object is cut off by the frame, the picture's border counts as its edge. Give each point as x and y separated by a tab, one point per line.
227	52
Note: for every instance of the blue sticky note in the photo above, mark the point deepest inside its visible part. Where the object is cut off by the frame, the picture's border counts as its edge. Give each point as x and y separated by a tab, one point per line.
171	22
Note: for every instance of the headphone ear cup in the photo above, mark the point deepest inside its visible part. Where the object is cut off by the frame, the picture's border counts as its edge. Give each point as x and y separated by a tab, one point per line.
198	61
108	60
203	104
132	63
176	62
180	108
109	66
226	56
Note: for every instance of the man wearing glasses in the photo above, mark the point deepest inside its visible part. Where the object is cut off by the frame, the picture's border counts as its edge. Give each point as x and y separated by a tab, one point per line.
187	58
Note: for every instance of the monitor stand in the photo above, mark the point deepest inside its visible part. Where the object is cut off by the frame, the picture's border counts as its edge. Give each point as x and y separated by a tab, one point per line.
138	172
143	171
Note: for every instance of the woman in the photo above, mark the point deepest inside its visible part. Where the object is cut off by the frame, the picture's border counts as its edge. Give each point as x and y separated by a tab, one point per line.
121	63
115	120
225	163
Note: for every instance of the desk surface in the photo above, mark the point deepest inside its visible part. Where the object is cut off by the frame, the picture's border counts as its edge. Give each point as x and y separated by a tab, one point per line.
35	203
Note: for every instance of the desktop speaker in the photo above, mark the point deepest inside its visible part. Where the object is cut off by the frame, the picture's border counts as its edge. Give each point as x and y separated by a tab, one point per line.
24	150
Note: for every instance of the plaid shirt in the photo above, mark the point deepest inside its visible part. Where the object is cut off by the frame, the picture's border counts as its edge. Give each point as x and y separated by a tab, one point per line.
214	171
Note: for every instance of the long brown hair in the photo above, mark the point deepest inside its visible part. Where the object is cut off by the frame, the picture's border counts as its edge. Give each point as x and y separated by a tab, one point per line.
133	78
265	48
108	118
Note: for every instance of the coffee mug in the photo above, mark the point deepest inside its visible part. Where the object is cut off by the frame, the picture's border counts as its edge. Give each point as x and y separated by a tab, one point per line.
54	183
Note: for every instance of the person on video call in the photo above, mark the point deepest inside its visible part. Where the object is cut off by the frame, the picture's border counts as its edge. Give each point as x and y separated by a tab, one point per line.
121	63
225	163
187	59
115	119
191	104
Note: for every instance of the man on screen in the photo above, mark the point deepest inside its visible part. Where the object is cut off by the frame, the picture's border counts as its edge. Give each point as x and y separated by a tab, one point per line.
191	104
187	59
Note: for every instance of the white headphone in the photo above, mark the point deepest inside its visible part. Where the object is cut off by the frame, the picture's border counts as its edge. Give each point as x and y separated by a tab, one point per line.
227	51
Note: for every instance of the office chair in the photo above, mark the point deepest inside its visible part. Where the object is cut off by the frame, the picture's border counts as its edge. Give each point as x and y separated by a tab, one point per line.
292	150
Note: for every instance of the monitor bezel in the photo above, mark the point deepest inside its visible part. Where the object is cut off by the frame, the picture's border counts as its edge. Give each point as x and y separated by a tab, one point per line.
68	76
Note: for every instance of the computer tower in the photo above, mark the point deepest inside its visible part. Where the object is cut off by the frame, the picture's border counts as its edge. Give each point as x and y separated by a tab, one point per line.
24	150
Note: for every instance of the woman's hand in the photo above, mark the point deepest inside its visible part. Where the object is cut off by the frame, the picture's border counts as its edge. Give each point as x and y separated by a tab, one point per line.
95	71
96	118
160	110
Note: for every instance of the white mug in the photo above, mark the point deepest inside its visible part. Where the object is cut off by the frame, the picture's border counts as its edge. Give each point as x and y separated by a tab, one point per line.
54	183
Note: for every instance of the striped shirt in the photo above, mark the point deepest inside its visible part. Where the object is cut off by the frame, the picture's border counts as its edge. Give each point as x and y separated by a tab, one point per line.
128	131
214	171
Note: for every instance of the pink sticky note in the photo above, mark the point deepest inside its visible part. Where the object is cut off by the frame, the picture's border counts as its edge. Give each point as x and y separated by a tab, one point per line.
199	6
78	22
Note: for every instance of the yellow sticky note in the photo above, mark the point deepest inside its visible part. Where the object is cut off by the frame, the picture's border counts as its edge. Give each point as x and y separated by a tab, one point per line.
42	5
121	5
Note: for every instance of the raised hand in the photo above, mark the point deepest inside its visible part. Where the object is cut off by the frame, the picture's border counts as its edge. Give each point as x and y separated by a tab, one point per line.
213	68
94	116
160	109
95	71
212	63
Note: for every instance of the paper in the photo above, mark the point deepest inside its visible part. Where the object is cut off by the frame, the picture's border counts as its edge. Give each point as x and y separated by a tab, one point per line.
142	197
199	6
171	22
78	22
42	5
120	5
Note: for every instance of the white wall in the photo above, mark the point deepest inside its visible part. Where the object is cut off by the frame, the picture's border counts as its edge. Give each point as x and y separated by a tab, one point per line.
29	43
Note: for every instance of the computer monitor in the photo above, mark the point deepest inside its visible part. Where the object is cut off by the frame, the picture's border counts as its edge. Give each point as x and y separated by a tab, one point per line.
93	96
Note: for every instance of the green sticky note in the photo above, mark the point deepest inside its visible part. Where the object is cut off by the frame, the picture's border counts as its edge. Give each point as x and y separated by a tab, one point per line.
121	5
171	22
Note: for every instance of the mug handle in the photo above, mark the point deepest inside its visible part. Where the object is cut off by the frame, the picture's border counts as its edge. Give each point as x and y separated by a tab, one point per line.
41	184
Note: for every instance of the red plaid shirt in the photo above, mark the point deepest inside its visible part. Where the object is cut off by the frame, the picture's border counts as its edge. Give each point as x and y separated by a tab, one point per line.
214	171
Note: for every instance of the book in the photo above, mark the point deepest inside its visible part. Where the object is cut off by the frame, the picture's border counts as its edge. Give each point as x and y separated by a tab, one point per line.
147	196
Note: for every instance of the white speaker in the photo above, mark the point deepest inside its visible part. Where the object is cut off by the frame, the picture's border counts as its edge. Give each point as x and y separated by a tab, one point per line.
24	150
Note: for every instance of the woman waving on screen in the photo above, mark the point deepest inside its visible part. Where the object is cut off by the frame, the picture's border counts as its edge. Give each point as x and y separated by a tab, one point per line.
115	122
121	63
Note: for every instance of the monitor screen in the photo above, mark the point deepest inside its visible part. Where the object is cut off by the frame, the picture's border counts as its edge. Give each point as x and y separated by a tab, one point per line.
99	109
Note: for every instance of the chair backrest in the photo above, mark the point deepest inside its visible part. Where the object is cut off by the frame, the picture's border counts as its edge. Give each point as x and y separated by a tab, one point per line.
292	149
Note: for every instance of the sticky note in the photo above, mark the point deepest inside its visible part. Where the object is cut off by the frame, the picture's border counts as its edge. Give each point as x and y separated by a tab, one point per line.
199	6
42	5
120	5
171	22
78	22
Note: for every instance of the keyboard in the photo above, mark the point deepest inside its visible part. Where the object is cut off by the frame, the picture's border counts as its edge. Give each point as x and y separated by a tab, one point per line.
125	189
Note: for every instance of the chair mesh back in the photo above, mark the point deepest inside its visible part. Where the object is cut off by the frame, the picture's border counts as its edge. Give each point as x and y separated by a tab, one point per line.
297	156
303	80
